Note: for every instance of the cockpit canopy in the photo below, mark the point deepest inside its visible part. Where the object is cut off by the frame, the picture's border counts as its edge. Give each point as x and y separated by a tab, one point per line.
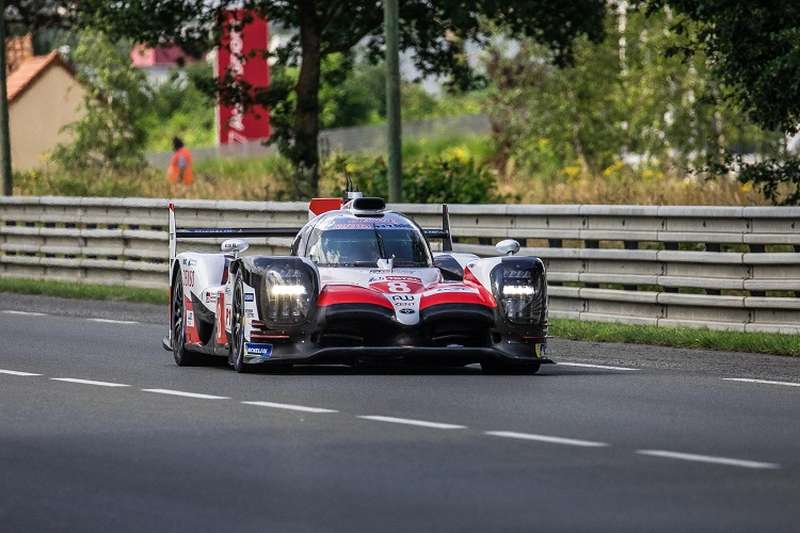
344	240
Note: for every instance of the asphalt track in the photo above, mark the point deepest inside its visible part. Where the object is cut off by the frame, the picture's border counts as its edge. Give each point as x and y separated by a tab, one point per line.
100	431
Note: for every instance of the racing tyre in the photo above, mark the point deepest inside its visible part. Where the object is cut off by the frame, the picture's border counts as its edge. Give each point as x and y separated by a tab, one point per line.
183	357
237	328
510	368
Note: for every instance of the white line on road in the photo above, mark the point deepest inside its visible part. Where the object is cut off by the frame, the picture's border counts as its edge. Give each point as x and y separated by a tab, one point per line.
187	394
24	313
412	422
708	459
292	407
763	381
17	373
546	438
110	321
91	382
602	367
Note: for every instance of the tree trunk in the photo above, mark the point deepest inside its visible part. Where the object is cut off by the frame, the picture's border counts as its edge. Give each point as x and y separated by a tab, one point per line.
306	120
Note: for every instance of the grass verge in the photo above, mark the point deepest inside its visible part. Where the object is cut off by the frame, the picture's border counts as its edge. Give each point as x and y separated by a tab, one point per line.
86	291
770	343
733	341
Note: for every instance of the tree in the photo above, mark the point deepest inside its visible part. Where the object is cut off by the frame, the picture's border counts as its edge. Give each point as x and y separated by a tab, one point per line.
112	134
622	96
433	32
25	16
754	48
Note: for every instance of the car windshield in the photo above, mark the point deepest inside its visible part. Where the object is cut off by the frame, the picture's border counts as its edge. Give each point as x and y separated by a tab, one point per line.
363	247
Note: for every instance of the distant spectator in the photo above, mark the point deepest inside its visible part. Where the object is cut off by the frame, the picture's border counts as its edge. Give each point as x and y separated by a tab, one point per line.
180	166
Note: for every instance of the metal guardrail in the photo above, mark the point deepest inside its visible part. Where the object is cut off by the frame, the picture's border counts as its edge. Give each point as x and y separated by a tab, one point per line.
730	268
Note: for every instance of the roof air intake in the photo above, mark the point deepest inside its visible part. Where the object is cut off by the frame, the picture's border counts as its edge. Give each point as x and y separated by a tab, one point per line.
367	206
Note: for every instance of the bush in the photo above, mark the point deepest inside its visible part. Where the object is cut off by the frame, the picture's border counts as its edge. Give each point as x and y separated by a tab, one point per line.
450	178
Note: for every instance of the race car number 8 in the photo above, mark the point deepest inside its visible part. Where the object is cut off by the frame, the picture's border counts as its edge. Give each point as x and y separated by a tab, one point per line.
398	286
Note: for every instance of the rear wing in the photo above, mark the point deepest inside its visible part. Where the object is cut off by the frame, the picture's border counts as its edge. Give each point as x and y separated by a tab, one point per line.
176	233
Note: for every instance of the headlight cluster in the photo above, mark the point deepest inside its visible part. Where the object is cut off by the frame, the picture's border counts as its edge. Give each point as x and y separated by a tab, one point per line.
520	290
288	294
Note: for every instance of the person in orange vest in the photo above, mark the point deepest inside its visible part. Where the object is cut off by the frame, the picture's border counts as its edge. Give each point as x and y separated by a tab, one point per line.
180	165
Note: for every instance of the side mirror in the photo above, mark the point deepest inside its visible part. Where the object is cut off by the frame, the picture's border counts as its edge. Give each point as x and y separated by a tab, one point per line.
450	268
234	247
507	247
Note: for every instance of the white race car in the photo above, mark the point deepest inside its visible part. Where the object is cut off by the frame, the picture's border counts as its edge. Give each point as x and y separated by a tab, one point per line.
360	284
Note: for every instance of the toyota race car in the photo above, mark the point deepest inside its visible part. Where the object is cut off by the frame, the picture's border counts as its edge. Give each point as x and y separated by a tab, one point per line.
360	284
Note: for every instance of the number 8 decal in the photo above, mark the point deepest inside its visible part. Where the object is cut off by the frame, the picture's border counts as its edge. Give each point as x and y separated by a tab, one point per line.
398	286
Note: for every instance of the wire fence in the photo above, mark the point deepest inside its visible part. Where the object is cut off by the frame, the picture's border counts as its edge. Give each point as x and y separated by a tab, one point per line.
350	140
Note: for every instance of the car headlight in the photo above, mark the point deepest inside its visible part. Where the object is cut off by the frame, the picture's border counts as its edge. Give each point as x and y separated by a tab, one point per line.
287	295
288	290
519	287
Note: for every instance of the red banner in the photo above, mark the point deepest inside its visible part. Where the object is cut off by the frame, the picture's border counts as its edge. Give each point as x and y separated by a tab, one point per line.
241	52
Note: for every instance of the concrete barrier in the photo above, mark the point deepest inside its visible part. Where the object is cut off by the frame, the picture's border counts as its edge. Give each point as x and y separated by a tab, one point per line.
729	268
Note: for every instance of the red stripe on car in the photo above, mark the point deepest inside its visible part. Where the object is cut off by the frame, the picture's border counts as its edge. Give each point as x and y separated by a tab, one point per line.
351	294
450	294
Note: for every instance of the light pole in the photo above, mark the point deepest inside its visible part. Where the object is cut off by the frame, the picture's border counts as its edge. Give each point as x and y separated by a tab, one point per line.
393	124
5	140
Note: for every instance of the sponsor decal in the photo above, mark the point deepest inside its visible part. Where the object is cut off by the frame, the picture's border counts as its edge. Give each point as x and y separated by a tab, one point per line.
211	297
461	289
188	262
262	350
249	297
190	318
350	226
188	278
407	311
402	298
396	225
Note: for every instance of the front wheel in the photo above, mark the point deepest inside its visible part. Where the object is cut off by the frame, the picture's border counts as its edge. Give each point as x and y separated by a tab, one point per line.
182	356
236	358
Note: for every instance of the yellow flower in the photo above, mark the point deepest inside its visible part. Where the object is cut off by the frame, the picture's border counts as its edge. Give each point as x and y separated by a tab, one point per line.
746	187
458	153
571	171
615	167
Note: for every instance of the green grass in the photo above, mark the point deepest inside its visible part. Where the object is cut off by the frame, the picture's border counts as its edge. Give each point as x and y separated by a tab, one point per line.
84	291
771	343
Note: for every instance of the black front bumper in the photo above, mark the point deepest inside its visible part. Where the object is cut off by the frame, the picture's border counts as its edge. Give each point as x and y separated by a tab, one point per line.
422	355
449	334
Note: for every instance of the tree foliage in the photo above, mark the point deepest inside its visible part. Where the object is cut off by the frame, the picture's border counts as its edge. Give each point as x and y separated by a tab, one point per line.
437	179
433	33
179	107
754	48
24	16
111	135
623	99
